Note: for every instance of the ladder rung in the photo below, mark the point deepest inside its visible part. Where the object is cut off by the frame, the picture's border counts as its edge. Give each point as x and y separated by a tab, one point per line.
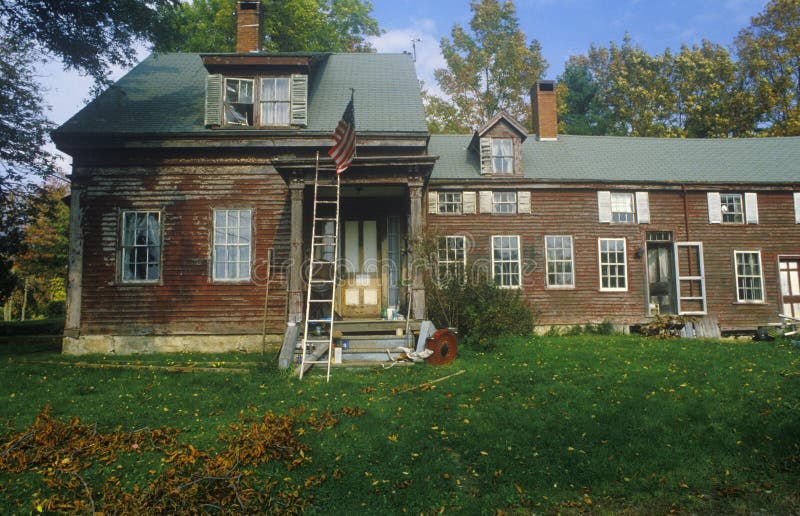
327	202
321	300
325	219
333	237
319	321
320	281
309	341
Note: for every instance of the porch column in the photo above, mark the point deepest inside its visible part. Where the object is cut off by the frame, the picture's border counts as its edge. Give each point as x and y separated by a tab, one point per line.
296	311
72	322
417	262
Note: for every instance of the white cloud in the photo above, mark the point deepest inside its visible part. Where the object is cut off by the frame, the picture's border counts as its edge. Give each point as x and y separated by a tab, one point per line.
429	56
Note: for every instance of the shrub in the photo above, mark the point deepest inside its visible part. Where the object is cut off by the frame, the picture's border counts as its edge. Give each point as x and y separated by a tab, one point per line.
480	311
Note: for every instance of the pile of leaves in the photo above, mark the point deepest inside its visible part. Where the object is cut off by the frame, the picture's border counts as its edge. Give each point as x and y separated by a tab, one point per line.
62	454
664	326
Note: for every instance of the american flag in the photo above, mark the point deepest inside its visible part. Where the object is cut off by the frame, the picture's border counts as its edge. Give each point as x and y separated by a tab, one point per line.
344	137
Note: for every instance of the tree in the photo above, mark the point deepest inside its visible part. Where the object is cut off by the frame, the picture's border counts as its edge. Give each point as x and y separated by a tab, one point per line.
87	35
489	68
710	99
289	26
769	54
581	110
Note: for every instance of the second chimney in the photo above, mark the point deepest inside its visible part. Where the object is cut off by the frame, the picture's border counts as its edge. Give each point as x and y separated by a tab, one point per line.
248	26
544	110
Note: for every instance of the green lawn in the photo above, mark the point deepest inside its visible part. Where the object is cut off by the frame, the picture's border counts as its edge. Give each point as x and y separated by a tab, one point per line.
541	424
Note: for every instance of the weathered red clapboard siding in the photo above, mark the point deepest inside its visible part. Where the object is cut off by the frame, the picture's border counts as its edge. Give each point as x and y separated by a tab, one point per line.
185	300
574	212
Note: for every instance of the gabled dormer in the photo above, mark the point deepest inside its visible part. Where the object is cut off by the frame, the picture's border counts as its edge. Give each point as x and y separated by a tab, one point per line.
498	143
252	89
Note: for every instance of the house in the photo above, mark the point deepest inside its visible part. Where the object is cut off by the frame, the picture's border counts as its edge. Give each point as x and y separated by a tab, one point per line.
192	194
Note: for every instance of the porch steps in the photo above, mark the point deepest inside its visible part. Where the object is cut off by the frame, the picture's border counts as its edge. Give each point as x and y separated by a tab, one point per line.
368	340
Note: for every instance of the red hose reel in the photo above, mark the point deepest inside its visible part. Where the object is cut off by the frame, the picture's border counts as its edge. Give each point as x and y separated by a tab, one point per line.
443	345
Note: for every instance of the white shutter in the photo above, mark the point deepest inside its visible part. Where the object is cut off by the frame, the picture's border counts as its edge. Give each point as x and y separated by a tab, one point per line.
523	201
486	155
468	202
213	113
797	207
299	99
643	207
751	207
433	202
603	206
714	208
485	202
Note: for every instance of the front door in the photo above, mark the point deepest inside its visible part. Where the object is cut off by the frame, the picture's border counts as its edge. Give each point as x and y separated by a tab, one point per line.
361	289
790	286
661	278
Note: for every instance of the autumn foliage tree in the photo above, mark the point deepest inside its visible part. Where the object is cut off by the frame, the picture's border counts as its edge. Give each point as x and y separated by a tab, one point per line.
490	67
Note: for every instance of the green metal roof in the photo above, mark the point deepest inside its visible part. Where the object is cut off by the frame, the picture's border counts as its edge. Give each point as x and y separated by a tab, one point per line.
625	159
165	94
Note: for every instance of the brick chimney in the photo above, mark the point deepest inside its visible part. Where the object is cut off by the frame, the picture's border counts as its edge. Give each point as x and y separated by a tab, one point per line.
248	26
544	110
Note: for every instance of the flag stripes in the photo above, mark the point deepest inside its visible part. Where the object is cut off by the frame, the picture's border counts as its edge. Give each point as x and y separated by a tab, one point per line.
344	137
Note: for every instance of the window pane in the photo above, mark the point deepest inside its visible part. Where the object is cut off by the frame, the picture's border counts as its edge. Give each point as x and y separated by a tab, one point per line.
232	232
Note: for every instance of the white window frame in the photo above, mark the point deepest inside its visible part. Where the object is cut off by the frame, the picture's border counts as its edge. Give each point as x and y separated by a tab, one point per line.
447	258
497	205
262	102
128	247
252	102
228	245
624	264
742	286
723	207
498	157
555	262
617	203
449	203
513	262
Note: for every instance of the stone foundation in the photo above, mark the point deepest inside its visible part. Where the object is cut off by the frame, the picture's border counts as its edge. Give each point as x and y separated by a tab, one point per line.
145	344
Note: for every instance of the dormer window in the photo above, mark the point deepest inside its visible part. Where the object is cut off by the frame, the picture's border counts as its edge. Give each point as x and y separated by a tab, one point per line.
238	101
274	101
498	144
502	155
282	101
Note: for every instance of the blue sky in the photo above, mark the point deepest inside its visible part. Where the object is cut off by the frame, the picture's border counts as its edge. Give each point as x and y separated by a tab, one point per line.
563	27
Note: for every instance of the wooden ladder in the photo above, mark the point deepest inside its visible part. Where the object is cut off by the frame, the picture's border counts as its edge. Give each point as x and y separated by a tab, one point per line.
317	343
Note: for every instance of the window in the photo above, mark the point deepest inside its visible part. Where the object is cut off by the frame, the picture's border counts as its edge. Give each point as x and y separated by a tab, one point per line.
622	207
451	258
748	277
449	202
502	156
504	202
141	246
232	230
732	208
274	101
238	101
613	274
506	261
558	256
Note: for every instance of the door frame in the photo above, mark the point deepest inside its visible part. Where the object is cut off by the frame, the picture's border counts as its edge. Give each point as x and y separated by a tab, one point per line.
785	258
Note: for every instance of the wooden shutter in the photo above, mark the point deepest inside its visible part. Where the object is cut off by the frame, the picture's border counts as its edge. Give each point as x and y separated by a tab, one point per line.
468	202
714	208
643	207
213	114
523	201
603	206
797	207
485	202
751	208
486	156
433	202
299	98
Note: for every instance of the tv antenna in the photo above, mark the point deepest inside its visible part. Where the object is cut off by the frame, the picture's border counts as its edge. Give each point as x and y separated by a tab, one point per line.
414	42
